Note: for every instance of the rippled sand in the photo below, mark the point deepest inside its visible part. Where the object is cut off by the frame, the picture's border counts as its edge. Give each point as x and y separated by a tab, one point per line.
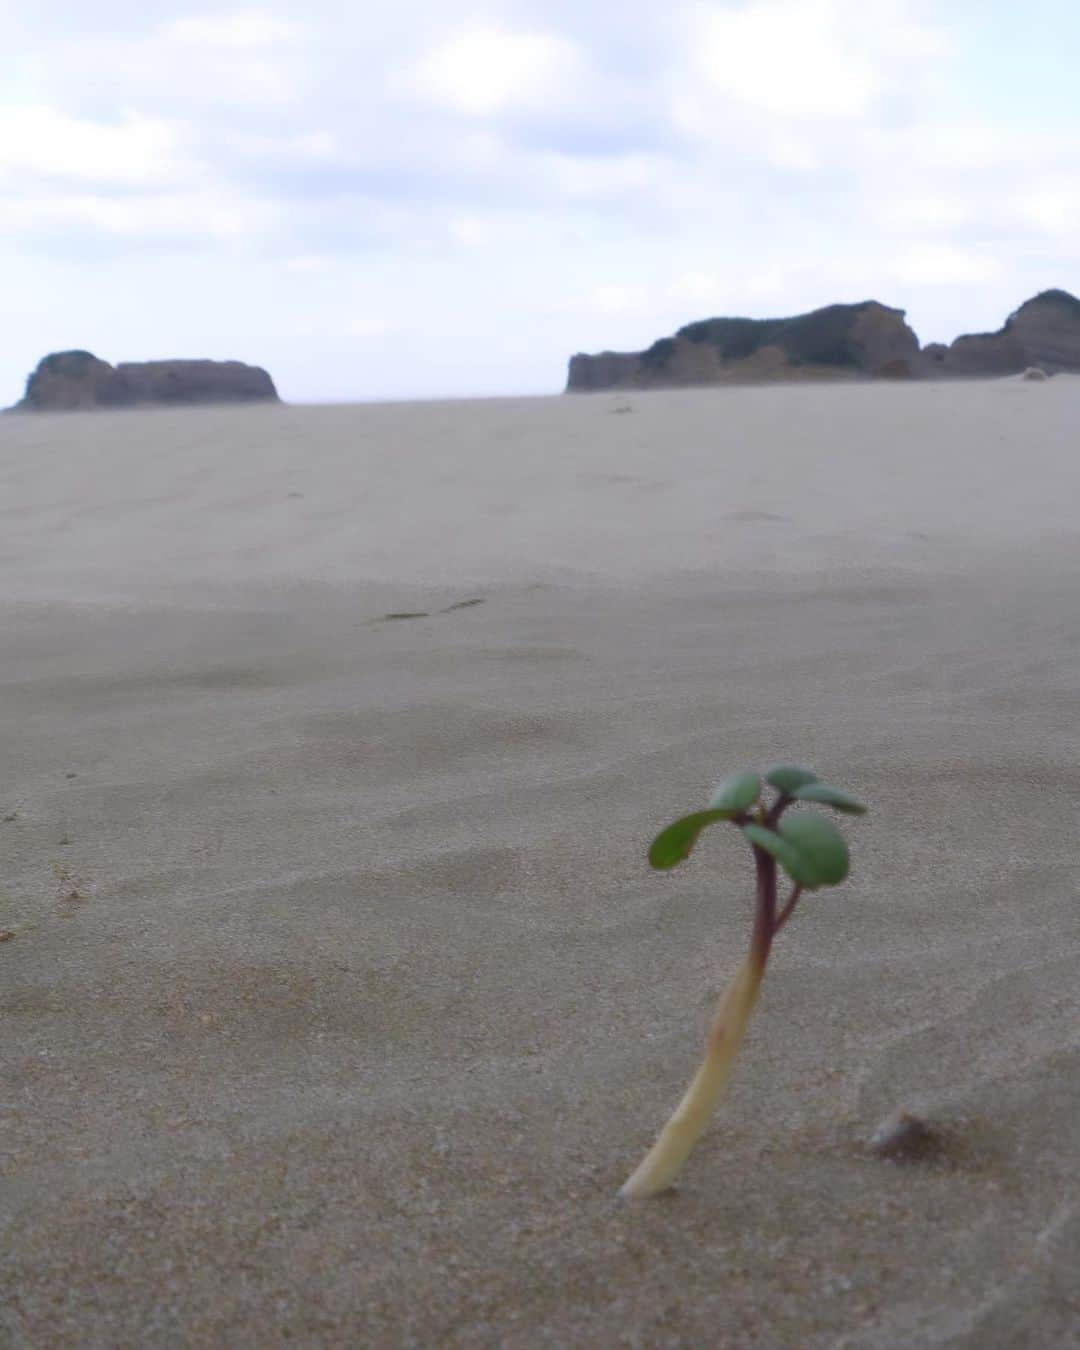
337	999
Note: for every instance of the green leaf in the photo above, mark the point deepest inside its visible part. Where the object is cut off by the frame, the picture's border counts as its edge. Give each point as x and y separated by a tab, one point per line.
673	845
786	854
737	793
788	777
837	798
819	844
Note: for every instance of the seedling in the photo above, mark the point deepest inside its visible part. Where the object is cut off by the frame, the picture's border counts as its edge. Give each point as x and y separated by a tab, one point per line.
811	850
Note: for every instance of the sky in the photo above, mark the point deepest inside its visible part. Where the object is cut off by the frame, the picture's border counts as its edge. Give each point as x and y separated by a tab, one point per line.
436	199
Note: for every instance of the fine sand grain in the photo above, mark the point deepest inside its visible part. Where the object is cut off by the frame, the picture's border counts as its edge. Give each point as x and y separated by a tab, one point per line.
337	998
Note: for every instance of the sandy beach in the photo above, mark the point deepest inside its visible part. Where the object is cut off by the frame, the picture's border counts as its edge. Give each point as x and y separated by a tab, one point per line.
337	998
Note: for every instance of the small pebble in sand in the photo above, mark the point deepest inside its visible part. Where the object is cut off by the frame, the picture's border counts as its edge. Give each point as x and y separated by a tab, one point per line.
902	1135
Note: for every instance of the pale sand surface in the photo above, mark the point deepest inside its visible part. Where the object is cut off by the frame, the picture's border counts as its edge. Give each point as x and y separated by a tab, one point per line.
371	1001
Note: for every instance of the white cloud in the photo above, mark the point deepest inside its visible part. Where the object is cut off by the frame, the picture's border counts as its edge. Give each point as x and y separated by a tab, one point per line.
714	292
919	212
42	142
241	29
969	147
472	231
484	71
311	147
788	151
757	70
584	176
170	218
795	58
1052	206
697	288
943	265
618	300
230	60
137	179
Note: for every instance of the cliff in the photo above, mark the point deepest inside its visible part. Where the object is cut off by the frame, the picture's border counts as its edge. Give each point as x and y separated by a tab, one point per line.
69	381
835	341
839	341
1043	332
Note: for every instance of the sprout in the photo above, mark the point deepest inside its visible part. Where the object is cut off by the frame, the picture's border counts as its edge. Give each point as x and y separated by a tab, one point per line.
811	850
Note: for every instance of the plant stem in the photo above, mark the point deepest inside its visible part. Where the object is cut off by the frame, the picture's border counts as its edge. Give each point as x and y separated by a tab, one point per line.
678	1137
786	912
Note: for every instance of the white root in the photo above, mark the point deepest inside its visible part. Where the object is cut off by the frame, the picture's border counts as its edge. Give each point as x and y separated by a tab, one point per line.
663	1161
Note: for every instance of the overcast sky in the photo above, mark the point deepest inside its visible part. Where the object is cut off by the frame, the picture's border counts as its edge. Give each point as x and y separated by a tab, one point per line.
428	198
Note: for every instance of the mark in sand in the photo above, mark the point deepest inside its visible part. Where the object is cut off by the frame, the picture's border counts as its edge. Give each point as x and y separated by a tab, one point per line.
425	614
463	604
754	517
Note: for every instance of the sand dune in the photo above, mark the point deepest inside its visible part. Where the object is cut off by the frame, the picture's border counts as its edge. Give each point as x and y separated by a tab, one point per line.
339	999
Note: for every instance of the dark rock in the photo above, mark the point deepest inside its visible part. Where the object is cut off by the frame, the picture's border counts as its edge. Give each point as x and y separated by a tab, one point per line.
839	341
932	357
899	368
1043	332
69	381
196	382
984	354
835	341
608	370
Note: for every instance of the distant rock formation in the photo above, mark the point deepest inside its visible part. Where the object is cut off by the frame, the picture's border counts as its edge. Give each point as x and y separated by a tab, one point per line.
1043	332
69	381
839	341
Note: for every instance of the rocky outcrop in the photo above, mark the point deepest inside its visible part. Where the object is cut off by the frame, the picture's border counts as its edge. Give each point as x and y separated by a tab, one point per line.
607	370
852	341
69	381
1043	332
835	341
195	382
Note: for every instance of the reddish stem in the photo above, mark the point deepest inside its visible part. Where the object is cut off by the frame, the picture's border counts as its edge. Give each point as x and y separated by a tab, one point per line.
777	809
785	913
767	923
765	927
